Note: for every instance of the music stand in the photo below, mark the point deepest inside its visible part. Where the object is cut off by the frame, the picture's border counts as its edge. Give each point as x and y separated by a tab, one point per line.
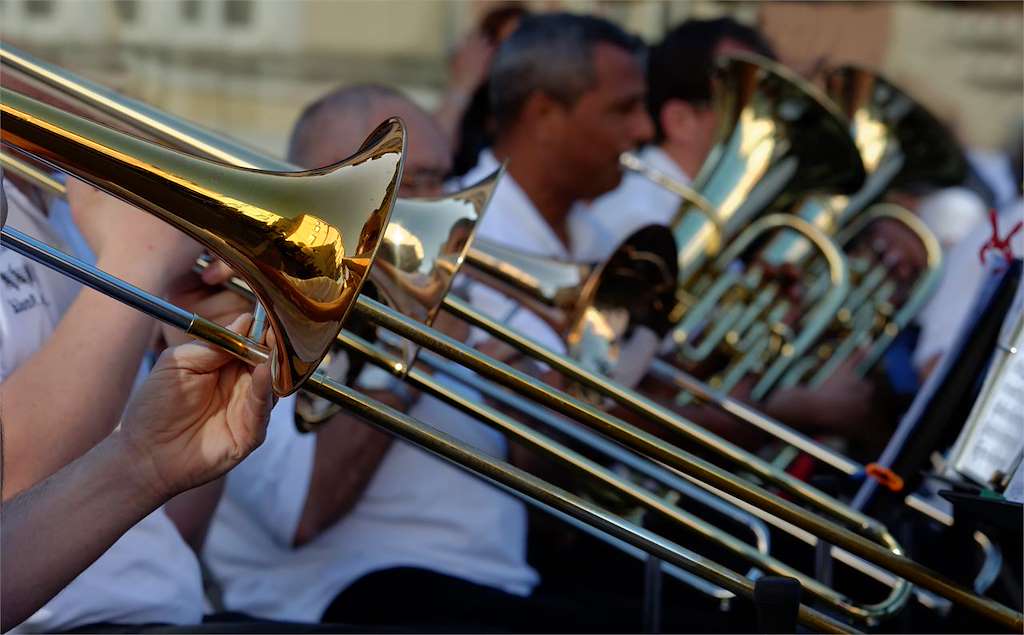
942	406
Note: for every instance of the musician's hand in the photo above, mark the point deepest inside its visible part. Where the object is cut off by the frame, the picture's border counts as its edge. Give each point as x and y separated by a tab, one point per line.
198	414
842	404
451	326
215	303
130	243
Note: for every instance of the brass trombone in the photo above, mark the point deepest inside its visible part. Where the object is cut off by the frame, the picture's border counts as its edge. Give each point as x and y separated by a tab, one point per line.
415	332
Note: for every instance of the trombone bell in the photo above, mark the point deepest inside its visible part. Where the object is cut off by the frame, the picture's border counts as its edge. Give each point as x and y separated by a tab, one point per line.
302	241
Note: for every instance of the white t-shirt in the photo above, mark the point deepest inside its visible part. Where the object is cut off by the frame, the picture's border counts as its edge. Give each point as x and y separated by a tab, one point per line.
638	201
149	574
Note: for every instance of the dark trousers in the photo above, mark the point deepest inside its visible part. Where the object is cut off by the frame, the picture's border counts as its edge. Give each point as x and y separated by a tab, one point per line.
419	600
423	600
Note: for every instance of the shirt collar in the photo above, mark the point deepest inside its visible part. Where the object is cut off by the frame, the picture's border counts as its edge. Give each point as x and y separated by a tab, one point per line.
658	159
511	218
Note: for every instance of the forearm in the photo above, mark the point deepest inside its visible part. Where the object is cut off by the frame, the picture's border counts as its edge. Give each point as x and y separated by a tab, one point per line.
348	453
54	531
70	394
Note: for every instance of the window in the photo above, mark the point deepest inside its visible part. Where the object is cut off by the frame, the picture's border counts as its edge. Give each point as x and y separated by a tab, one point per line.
38	8
127	10
237	12
190	10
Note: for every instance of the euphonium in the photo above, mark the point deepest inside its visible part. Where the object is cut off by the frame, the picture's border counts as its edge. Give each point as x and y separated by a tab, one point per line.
779	139
902	144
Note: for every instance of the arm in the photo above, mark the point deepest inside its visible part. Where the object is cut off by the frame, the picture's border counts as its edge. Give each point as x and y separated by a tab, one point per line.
469	68
94	353
196	417
348	453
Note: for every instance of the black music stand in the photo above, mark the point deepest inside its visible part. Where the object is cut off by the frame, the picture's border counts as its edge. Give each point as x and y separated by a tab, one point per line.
942	406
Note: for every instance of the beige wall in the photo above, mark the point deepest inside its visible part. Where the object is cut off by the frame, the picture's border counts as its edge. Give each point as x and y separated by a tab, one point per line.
252	80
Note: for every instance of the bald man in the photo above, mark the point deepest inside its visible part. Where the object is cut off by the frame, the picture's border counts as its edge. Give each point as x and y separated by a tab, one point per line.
333	125
313	526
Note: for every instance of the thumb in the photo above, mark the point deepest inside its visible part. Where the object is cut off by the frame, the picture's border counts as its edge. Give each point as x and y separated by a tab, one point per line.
260	399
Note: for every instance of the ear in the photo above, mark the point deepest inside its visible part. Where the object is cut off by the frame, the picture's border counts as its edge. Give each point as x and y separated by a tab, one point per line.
543	115
678	120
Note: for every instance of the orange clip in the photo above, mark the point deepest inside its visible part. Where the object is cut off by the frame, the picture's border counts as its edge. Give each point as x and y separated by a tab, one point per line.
885	477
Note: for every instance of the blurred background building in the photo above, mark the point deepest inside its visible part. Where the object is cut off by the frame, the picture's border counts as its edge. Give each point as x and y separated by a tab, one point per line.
247	67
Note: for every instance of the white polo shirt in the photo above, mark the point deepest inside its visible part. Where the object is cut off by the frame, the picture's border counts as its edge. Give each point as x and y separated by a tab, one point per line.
149	574
638	201
417	510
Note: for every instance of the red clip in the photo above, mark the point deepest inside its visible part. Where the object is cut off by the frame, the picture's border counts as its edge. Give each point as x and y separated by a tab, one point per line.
995	243
885	477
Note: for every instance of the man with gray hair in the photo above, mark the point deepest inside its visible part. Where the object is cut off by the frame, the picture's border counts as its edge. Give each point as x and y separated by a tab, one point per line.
568	98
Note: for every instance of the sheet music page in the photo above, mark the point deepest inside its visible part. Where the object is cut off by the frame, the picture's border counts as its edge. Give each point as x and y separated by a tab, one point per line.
995	430
1015	490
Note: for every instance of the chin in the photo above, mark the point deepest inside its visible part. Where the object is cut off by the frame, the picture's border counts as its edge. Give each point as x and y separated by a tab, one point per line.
597	187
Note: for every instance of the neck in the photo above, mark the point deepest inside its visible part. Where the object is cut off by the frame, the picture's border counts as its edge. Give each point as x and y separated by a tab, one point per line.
534	178
688	158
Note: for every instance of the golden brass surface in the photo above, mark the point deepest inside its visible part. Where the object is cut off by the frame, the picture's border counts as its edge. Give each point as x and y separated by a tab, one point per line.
302	241
594	308
779	138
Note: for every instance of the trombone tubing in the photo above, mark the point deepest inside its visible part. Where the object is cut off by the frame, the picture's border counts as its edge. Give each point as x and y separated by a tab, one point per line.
580	464
889	557
788	435
426	437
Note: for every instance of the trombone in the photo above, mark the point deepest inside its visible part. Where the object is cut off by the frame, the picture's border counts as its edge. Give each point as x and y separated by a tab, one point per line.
411	329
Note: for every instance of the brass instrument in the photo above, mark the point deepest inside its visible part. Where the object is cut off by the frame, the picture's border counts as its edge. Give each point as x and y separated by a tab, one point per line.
779	140
524	483
100	155
902	144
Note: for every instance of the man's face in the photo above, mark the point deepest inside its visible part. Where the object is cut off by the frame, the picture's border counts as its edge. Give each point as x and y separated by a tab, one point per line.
427	158
605	121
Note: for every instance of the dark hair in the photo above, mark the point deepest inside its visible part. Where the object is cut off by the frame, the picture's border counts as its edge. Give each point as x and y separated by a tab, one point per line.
551	53
680	67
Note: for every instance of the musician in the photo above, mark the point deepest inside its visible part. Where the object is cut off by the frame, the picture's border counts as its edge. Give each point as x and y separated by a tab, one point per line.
380	519
195	417
679	101
67	363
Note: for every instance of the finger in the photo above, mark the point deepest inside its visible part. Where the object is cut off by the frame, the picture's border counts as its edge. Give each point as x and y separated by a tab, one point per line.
261	398
221	307
217	273
200	357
